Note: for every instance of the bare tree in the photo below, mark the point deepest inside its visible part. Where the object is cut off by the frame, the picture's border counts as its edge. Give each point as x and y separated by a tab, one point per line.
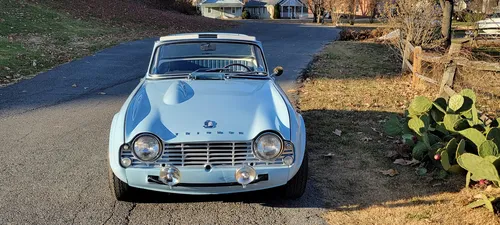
416	20
486	3
336	7
316	7
351	7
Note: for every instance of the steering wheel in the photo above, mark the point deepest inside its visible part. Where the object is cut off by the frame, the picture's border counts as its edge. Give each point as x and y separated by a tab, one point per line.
238	64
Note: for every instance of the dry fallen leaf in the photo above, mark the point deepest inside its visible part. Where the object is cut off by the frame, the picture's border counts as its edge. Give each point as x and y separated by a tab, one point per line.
366	139
337	132
405	162
391	154
478	196
389	172
329	155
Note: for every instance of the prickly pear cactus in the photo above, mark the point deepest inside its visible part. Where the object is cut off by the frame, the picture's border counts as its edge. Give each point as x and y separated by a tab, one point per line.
420	105
456	102
451	133
479	167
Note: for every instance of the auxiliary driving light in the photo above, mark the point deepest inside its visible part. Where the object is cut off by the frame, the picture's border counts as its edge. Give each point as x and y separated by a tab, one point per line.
126	162
170	175
245	175
288	160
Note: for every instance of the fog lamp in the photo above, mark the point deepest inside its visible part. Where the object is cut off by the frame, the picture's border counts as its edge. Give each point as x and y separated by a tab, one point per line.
170	175
245	175
126	162
288	160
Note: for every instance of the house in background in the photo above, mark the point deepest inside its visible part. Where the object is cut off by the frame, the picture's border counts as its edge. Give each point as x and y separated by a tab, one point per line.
261	9
264	9
293	9
221	9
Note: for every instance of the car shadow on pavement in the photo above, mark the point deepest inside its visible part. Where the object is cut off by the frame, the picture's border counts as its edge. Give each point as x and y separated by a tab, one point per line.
269	197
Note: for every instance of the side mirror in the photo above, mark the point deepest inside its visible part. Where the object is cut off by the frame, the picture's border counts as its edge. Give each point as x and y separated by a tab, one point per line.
278	71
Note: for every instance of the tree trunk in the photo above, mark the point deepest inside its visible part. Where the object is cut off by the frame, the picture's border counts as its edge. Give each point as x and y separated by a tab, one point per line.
446	23
486	3
374	12
318	14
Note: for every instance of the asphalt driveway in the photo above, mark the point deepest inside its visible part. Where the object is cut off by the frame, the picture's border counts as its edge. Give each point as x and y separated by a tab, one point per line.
54	134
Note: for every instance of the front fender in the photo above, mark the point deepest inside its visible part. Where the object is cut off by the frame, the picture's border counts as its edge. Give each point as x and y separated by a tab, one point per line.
116	137
298	135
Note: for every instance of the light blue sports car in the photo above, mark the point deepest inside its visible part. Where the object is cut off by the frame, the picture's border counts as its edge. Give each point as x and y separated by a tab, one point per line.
208	118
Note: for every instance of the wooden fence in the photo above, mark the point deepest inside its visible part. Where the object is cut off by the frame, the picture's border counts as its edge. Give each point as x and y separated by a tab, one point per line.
414	56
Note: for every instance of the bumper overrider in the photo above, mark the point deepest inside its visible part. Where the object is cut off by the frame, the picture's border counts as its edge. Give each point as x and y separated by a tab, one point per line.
213	167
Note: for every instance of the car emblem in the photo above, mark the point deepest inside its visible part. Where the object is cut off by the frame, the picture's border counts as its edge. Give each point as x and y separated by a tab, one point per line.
210	124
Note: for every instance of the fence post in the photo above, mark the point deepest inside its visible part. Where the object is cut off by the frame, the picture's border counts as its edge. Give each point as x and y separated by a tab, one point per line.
417	65
447	81
406	55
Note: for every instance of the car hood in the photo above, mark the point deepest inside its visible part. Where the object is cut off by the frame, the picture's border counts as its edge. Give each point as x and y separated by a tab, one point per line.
178	110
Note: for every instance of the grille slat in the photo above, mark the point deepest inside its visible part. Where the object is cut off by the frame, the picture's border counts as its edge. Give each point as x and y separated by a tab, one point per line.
201	153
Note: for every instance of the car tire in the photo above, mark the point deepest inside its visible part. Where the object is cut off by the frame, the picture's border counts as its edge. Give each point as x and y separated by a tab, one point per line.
296	187
120	189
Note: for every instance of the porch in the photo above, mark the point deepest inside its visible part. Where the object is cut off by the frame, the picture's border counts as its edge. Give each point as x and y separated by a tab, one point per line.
293	9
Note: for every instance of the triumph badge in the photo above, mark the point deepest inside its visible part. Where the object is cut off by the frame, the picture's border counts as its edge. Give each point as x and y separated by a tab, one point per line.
210	124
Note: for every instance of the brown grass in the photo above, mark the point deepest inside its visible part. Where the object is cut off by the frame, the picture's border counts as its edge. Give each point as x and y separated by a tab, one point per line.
354	87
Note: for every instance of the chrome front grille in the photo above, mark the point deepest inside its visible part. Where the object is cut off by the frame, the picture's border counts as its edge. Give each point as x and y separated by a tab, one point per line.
199	154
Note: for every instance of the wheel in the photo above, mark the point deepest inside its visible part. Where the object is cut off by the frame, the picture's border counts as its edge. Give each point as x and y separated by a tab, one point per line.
120	189
296	187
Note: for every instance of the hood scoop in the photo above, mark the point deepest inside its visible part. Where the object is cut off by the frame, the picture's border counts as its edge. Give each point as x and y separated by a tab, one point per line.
178	92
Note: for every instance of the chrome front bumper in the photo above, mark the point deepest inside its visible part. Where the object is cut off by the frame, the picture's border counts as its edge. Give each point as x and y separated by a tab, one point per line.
197	181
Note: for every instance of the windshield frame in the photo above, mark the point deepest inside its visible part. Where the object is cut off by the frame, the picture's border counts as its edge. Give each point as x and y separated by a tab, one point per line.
159	44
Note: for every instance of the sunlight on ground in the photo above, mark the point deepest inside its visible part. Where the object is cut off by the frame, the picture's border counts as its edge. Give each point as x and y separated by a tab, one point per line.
351	89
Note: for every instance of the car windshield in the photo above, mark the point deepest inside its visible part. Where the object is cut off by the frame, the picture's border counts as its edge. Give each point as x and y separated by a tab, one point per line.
205	56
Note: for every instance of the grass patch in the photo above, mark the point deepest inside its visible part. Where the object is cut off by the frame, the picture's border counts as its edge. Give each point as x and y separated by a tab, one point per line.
354	87
38	35
34	38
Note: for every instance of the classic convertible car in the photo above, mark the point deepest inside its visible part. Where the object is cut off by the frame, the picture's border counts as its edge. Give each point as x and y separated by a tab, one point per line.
208	118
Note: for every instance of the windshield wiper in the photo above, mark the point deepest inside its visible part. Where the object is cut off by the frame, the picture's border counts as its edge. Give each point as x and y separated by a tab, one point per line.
210	70
250	75
171	76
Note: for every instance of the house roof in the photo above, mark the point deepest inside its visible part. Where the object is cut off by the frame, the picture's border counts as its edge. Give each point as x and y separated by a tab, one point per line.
291	2
263	3
220	3
255	4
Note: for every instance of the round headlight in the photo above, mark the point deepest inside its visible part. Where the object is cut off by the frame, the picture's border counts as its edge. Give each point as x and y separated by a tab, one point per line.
268	146
147	148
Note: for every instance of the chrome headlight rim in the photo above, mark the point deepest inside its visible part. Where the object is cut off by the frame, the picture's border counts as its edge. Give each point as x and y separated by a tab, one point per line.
255	148
158	140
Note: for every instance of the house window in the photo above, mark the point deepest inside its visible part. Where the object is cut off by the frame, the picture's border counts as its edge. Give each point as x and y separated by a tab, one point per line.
233	10
209	10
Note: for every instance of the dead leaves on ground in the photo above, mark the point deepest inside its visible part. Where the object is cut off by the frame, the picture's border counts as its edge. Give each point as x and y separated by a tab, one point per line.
401	161
389	172
405	162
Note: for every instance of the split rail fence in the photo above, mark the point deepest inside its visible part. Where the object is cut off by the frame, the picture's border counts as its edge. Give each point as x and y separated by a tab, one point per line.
413	57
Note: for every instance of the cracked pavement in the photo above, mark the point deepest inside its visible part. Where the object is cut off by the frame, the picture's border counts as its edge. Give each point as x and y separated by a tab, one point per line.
54	142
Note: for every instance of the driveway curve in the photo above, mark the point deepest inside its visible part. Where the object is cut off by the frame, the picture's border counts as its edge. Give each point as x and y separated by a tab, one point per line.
54	134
